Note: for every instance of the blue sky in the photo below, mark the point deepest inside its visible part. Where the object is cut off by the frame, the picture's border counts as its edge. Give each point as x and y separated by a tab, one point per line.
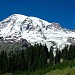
61	11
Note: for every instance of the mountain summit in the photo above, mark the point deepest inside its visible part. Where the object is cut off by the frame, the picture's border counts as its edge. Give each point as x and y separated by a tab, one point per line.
35	30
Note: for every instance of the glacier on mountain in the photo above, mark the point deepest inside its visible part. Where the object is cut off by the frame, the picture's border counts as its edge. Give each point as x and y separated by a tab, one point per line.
36	30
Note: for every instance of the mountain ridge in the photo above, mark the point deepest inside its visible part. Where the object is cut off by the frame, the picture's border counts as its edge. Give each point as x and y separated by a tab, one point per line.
36	30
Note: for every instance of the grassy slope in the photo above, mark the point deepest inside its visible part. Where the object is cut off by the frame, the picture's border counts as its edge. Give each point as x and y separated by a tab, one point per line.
64	68
65	71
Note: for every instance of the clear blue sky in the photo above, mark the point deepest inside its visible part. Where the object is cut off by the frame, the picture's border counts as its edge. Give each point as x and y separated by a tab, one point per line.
61	11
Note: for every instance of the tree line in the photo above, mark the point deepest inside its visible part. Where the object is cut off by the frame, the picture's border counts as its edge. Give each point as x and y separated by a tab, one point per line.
34	58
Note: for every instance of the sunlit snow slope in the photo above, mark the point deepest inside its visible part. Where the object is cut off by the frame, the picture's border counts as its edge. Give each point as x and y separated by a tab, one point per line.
35	30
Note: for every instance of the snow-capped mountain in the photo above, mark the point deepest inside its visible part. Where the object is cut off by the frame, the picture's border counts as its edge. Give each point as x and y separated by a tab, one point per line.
35	30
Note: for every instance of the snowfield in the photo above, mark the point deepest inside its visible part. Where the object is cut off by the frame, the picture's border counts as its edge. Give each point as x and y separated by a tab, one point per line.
36	30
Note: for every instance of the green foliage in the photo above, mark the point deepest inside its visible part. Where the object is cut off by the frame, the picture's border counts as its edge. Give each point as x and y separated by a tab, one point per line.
33	59
51	62
65	53
58	56
30	59
64	71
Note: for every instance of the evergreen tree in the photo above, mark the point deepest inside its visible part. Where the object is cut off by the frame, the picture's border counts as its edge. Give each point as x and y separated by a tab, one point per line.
36	57
51	56
58	56
71	52
30	58
65	53
3	61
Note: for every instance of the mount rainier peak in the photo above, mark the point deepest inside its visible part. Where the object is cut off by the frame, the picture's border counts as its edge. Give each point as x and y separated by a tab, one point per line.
35	30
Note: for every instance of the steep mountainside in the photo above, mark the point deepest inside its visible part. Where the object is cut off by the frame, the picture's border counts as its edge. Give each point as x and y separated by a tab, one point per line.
35	30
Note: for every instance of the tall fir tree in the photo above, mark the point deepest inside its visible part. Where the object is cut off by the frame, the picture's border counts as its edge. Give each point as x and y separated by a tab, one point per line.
58	56
65	53
51	62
